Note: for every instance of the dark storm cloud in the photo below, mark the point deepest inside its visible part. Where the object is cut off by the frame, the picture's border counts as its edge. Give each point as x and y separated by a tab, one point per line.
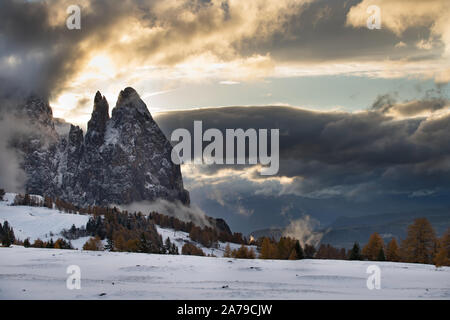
38	56
340	153
38	53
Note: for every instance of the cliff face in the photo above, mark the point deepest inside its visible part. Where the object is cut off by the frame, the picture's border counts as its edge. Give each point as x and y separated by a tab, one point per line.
120	160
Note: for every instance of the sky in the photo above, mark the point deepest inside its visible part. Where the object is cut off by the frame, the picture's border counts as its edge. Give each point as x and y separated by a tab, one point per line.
363	113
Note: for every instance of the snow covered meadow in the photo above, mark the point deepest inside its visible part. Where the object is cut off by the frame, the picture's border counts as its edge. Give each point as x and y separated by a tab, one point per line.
39	222
43	223
31	273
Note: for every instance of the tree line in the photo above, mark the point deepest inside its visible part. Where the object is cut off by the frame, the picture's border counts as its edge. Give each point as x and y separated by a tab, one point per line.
207	236
126	231
136	232
421	245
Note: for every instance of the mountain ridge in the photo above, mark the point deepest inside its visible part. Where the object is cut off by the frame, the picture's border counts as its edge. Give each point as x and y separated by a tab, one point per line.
121	159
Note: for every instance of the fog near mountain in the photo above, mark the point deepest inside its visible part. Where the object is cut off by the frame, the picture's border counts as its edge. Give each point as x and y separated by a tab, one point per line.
173	209
305	230
12	176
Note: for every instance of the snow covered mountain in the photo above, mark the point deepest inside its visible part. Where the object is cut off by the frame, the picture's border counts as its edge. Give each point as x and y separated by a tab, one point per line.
121	159
45	224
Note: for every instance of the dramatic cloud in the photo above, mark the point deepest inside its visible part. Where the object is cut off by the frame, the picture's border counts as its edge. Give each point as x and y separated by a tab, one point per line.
142	42
334	149
365	156
392	149
38	53
401	15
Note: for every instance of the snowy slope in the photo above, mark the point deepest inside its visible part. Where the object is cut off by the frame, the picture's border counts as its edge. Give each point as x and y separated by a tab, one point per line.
180	238
44	223
29	273
37	222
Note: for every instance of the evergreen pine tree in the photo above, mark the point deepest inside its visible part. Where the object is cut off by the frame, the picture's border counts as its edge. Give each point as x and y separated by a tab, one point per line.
173	249
144	245
26	243
309	251
50	244
168	246
109	244
381	256
355	253
299	250
7	234
6	242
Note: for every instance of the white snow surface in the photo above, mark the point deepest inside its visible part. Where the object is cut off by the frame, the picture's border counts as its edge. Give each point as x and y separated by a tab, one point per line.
38	222
180	238
30	273
44	223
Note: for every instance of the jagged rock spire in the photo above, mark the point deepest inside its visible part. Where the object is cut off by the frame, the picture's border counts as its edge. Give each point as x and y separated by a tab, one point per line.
99	118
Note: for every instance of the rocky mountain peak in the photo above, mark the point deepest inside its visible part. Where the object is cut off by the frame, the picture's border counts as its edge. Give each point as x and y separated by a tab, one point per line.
38	110
35	112
100	113
75	135
130	103
99	118
120	160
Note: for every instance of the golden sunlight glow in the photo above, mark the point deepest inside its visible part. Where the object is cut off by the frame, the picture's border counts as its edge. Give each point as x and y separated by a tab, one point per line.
64	103
101	64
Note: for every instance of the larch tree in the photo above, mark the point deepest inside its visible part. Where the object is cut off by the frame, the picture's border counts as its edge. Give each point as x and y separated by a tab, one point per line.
420	243
227	253
372	249
443	254
293	255
393	251
268	249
